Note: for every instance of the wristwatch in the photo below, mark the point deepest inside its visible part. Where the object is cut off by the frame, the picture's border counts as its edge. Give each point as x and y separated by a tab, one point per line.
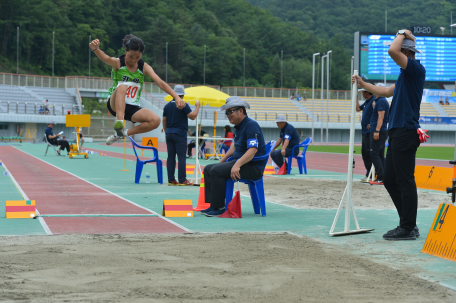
401	32
376	131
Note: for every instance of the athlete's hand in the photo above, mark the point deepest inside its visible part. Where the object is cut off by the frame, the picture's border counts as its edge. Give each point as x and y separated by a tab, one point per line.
179	103
95	44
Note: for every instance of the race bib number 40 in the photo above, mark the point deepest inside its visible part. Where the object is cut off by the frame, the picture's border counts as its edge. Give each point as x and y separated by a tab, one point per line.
132	91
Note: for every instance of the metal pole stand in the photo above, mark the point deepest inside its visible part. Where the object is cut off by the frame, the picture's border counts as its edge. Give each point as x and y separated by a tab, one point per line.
347	196
196	177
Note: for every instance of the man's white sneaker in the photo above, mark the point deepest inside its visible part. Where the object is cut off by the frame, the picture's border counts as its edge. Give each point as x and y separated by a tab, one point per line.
111	139
364	180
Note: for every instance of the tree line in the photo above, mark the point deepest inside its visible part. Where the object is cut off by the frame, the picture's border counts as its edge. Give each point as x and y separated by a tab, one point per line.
226	28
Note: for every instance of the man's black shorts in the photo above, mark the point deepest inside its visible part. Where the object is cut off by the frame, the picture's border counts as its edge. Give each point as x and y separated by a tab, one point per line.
130	110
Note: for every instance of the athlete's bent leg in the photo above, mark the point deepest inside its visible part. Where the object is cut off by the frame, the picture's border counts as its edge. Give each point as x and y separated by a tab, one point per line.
148	121
118	101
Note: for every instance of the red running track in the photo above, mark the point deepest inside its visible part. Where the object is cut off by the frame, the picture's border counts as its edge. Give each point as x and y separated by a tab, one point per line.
330	162
58	192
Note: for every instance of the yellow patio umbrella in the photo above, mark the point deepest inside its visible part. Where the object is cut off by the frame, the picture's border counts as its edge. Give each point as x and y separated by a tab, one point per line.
206	96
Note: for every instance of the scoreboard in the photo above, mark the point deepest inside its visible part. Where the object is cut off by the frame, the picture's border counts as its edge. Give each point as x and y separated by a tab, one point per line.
438	57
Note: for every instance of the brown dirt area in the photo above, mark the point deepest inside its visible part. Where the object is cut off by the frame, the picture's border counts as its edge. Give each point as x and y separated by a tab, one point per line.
326	193
199	268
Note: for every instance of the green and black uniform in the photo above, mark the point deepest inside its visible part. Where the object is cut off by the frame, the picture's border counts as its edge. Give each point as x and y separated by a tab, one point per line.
123	75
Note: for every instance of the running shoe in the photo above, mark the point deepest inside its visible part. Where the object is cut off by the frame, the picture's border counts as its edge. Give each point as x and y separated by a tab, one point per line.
400	234
185	183
207	210
120	128
416	230
376	182
215	212
111	139
173	183
364	180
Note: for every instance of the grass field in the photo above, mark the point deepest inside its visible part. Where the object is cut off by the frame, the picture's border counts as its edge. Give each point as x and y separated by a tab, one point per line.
424	152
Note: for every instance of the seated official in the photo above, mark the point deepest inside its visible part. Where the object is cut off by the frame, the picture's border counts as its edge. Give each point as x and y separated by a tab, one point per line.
248	143
201	142
227	143
52	139
289	138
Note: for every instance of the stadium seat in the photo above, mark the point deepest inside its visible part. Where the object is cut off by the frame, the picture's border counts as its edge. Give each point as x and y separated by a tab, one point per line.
300	158
140	163
256	187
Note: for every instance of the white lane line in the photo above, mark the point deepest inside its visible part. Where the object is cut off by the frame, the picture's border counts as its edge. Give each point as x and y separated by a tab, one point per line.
19	188
110	192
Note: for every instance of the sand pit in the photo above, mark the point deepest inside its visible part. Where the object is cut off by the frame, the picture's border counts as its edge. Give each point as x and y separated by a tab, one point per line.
199	268
326	193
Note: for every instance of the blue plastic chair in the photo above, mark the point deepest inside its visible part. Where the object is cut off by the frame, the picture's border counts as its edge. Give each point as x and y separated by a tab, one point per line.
300	158
256	187
140	163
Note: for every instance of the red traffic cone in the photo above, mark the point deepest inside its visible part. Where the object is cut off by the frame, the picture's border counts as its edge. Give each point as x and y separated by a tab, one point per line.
234	208
201	199
283	169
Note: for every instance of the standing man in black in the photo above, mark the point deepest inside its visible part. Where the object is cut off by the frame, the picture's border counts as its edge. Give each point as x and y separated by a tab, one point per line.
365	125
175	125
404	133
377	136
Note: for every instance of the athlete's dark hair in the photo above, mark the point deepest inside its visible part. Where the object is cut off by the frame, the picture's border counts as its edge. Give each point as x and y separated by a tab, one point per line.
131	42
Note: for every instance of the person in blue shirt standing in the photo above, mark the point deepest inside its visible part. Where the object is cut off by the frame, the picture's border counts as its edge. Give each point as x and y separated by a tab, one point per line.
289	138
175	125
366	107
248	143
377	136
404	133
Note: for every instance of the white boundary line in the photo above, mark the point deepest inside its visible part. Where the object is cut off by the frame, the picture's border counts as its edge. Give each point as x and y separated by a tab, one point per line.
19	188
131	202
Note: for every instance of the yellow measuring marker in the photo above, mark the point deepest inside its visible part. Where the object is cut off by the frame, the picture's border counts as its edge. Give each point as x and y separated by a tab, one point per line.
441	241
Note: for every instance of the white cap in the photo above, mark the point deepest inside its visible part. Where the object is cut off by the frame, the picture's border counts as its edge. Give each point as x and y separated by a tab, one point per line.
179	90
362	90
280	118
234	102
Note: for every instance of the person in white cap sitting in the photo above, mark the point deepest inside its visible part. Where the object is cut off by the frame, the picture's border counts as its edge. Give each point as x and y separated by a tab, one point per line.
52	139
288	137
248	143
175	125
367	109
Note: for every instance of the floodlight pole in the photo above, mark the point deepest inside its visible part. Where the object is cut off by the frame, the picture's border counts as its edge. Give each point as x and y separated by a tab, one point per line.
90	52
17	50
53	36
313	92
384	80
204	68
327	96
322	91
244	67
386	21
166	75
281	69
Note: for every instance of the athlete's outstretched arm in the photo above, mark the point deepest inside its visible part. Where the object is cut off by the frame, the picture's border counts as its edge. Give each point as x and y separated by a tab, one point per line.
163	85
95	47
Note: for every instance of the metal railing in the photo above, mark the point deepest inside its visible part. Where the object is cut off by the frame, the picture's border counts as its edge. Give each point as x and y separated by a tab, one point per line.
33	108
265	92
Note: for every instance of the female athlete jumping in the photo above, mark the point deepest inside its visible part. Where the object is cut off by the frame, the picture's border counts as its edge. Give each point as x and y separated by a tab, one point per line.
128	78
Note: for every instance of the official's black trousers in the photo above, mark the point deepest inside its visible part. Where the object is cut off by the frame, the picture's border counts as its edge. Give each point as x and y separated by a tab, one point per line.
176	145
277	157
215	176
63	145
365	152
377	153
399	178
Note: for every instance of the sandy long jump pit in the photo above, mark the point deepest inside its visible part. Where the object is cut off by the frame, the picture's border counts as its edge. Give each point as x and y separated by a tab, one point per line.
199	268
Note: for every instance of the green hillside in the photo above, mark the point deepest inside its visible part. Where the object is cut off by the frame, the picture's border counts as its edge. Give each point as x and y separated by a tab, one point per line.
327	18
225	27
